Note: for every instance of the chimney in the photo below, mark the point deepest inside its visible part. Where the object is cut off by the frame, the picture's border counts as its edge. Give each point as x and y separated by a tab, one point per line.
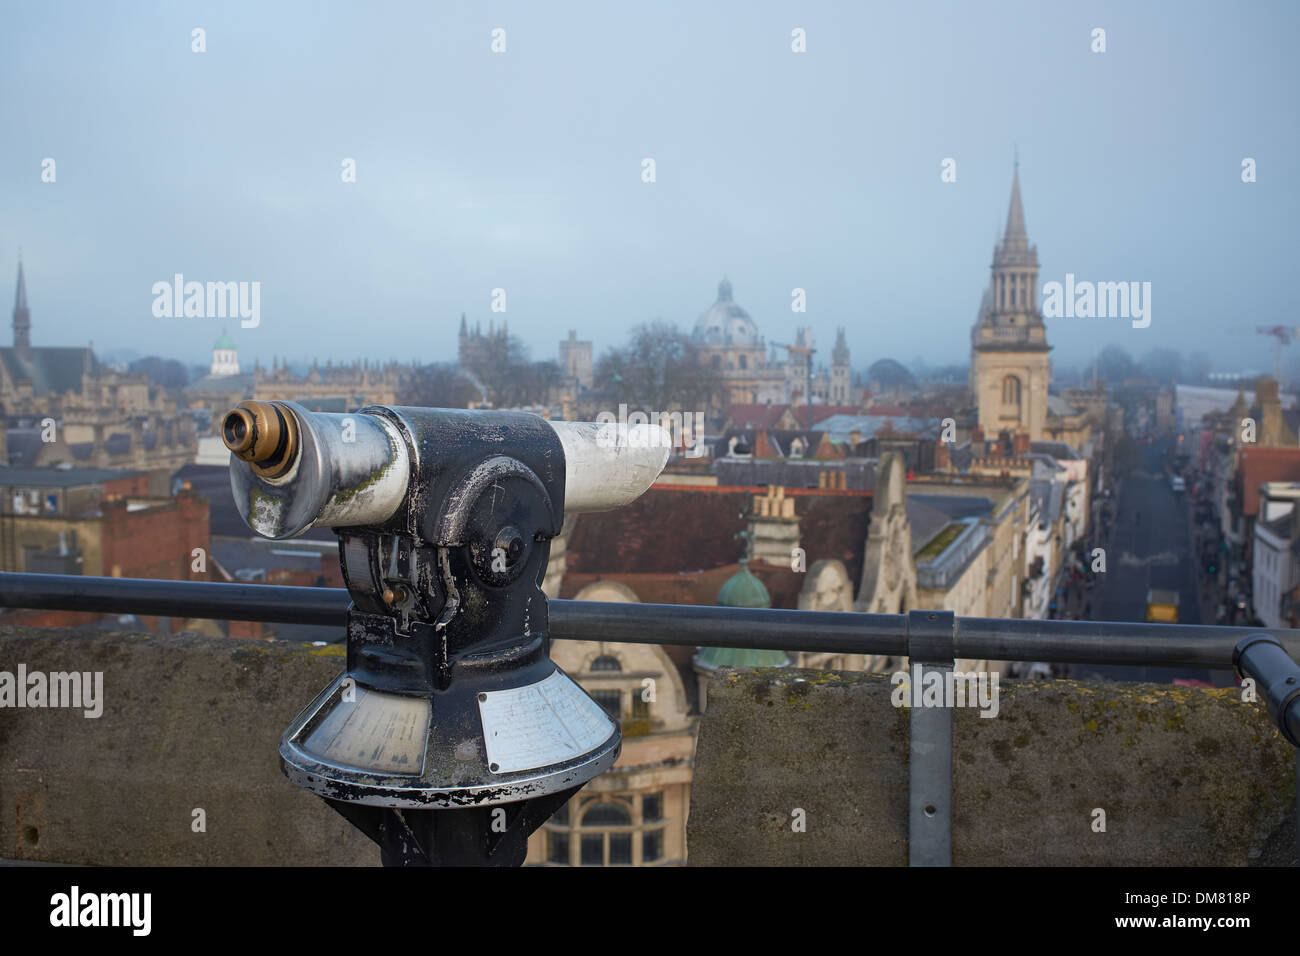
1021	444
977	436
773	527
941	460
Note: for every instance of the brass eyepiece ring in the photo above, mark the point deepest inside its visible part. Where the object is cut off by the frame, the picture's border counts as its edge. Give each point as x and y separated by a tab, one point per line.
262	434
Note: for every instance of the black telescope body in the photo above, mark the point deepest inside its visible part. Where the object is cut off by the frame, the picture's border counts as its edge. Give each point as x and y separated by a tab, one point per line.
452	735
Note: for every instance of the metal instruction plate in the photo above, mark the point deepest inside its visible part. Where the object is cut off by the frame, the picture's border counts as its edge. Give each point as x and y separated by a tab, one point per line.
541	724
377	731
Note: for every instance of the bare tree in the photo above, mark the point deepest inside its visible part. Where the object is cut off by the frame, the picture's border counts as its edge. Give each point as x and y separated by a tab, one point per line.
438	386
659	370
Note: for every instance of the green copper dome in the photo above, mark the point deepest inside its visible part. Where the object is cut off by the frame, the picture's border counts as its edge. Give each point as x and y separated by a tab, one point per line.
744	590
711	658
225	342
741	590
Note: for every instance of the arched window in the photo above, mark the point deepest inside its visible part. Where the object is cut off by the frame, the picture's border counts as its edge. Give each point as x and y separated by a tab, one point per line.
606	830
1011	390
607	815
605	847
606	663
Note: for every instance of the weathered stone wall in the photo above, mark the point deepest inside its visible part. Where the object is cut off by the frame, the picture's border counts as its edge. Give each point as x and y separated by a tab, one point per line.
188	722
1186	776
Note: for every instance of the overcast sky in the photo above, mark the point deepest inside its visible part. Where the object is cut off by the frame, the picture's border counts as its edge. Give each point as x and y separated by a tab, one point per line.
522	170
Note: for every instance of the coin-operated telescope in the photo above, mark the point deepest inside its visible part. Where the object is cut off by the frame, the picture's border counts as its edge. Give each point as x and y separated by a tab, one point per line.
452	735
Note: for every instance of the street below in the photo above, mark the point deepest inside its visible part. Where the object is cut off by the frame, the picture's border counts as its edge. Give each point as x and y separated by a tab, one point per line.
1150	546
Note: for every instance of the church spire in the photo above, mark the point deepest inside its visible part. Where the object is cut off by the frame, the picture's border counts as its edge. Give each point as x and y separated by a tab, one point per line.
22	316
1016	213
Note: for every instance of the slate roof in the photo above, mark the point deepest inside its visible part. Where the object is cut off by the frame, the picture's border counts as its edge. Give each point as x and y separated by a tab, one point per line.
962	456
1040	491
1062	451
956	507
24	445
859	473
755	416
926	521
767	415
239	554
59	477
1059	407
242	383
1055	501
841	427
51	370
1048	498
691	529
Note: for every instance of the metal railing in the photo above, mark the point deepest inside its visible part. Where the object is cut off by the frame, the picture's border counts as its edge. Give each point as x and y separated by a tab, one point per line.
934	639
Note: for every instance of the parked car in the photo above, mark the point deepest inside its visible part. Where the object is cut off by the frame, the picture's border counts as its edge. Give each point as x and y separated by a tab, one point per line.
1162	606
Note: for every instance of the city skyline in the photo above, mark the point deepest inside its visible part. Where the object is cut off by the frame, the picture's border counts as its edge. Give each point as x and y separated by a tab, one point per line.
521	173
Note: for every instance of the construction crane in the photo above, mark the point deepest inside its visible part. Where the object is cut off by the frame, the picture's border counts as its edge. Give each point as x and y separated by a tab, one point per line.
807	351
1284	335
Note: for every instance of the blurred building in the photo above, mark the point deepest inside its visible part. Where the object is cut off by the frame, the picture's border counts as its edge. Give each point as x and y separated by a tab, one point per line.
334	388
60	406
576	365
100	523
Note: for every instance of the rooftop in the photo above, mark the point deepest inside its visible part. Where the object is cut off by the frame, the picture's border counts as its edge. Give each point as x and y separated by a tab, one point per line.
60	477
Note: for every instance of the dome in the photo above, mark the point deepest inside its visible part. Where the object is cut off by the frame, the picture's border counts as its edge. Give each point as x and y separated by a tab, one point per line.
744	590
726	323
711	658
888	372
224	343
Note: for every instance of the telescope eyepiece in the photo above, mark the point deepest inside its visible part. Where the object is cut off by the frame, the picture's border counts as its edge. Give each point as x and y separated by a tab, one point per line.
237	431
262	434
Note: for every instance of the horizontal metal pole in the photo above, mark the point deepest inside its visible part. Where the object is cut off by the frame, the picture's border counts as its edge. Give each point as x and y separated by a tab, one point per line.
202	599
1001	639
706	625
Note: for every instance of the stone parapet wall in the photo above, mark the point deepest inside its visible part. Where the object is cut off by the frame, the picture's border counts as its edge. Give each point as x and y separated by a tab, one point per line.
188	723
1186	776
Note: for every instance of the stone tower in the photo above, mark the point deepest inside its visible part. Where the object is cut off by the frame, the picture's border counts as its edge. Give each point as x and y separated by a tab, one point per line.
1009	368
841	378
576	361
